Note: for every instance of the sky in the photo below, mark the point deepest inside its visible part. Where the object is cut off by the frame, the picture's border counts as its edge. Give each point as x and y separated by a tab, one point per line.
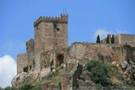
87	18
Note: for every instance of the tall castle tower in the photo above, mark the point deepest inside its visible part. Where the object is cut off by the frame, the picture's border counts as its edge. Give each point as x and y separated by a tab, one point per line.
50	35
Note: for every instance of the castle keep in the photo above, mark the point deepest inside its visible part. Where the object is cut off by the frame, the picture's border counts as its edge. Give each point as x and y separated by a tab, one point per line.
48	53
51	33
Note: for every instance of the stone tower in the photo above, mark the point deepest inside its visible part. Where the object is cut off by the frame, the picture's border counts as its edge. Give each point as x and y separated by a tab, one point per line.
50	35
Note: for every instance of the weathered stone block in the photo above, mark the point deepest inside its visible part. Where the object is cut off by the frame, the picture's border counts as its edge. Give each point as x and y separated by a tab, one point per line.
22	63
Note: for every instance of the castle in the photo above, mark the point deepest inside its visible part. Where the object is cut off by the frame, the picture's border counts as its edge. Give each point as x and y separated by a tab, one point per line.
50	39
49	50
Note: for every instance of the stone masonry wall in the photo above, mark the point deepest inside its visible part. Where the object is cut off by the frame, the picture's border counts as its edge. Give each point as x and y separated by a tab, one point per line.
30	52
81	52
125	38
22	62
50	34
78	51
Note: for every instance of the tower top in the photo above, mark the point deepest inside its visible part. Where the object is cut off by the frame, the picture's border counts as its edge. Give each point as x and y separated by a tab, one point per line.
63	18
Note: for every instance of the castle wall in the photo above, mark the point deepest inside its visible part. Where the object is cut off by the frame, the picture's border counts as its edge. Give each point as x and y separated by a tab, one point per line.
61	36
22	62
44	37
120	53
30	51
83	52
125	38
133	54
44	40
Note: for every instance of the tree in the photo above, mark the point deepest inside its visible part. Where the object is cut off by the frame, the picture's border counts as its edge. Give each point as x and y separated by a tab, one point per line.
112	39
108	39
98	39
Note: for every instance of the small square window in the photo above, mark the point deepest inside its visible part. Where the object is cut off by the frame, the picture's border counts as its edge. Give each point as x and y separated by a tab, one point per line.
58	29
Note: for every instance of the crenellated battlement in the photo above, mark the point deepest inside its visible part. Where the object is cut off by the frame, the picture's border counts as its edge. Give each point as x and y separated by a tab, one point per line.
63	18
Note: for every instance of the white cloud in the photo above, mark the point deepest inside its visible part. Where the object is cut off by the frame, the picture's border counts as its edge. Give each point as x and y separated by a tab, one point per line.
7	70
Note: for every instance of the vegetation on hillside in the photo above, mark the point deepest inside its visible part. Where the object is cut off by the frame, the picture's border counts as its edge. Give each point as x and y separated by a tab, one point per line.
108	76
99	72
7	88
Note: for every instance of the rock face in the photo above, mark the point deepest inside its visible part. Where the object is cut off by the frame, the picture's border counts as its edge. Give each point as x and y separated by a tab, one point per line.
48	56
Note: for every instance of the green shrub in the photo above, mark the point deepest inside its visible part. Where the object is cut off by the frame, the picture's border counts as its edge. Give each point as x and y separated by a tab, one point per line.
1	88
36	88
8	88
26	87
99	72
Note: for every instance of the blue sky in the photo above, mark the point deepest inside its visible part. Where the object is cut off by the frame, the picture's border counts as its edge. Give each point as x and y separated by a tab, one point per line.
86	17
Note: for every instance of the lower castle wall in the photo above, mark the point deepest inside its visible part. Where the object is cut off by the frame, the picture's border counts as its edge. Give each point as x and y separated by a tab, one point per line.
79	52
22	62
124	38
